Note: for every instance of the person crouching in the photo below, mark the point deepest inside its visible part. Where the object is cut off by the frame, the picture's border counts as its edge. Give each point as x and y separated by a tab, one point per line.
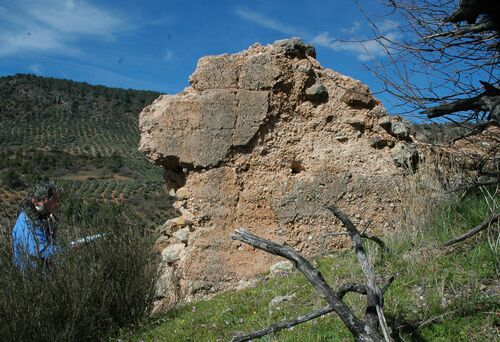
34	232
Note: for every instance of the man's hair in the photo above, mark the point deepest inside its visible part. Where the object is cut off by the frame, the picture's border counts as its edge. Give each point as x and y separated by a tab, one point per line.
44	190
39	192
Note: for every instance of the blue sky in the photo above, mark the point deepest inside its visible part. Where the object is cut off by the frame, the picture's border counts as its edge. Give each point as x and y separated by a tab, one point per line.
155	45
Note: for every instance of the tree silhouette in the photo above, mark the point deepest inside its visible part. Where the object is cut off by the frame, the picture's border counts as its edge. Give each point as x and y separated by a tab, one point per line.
444	62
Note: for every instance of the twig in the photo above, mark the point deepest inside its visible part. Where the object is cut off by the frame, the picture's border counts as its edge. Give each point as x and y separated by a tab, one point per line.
364	235
283	325
434	319
377	240
476	129
360	330
374	295
485	224
341	292
467	187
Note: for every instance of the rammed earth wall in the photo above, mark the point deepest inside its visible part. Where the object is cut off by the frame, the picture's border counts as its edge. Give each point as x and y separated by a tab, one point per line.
264	139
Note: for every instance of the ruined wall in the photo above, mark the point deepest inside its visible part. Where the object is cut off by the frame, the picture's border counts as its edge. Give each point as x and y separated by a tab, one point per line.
264	139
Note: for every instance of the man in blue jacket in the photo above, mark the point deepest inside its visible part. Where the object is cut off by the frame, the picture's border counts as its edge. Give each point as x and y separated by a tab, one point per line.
35	229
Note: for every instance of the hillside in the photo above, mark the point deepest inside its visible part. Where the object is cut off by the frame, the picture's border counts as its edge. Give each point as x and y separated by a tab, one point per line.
82	135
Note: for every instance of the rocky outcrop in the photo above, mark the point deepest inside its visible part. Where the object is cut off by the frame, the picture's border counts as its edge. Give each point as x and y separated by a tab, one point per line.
264	139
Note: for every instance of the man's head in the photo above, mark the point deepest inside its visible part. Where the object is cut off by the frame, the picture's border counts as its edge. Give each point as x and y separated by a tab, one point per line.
45	197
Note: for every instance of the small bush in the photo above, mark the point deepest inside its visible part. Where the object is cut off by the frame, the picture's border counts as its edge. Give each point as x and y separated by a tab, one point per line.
88	291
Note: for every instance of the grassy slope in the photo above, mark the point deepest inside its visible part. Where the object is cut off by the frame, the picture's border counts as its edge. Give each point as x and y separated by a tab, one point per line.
85	136
440	294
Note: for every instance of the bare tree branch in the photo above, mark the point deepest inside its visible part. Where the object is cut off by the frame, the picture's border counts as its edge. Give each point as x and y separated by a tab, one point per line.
374	295
364	235
486	101
283	325
476	28
360	330
476	129
485	224
341	292
434	58
466	187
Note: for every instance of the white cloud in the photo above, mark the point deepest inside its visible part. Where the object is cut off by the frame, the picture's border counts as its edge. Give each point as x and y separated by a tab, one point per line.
168	56
54	26
105	76
266	22
387	26
364	49
76	18
356	26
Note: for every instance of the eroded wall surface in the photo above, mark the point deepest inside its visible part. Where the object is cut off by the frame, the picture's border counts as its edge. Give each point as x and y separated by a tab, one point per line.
264	139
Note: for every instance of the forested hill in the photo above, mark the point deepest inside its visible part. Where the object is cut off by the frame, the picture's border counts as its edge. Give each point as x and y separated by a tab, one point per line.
56	105
82	135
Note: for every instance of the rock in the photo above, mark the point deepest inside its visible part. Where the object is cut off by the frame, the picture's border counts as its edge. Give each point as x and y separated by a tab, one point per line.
259	72
399	129
405	155
216	72
395	127
172	253
244	148
213	123
317	93
182	235
197	286
179	204
182	193
359	96
160	244
166	290
165	283
295	47
357	122
378	142
385	122
171	226
341	138
281	268
305	67
187	216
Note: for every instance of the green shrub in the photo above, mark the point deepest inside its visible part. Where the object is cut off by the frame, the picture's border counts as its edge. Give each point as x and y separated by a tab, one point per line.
88	291
11	179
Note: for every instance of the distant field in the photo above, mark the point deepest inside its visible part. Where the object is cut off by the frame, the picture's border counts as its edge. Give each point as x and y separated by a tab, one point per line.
84	136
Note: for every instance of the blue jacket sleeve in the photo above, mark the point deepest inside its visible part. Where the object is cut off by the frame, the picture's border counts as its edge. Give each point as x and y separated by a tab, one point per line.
45	248
30	241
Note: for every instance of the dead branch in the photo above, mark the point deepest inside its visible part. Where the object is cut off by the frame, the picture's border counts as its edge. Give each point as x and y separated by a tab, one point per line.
364	235
467	187
341	292
476	130
485	224
361	330
486	101
283	325
374	295
476	28
449	44
377	240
